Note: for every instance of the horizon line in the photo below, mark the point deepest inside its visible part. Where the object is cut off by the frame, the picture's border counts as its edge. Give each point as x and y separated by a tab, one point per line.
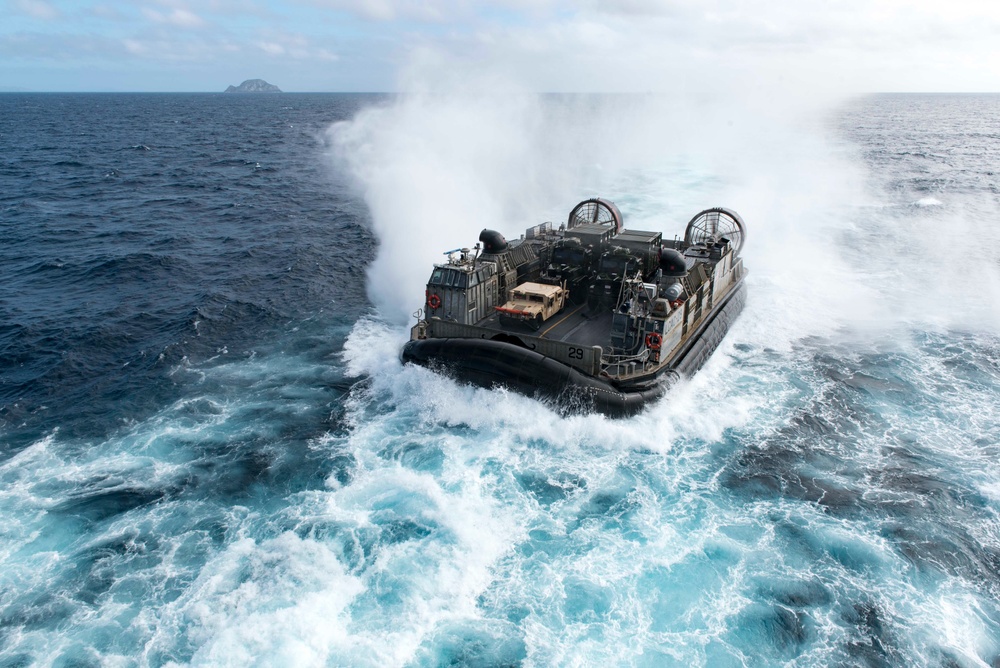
15	90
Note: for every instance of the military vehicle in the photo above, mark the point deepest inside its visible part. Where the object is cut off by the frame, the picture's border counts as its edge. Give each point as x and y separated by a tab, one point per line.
588	315
532	304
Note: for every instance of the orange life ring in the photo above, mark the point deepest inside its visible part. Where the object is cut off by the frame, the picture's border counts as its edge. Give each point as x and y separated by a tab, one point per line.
653	341
434	301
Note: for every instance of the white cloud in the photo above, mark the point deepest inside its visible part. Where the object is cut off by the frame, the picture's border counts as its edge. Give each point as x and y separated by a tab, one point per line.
178	17
688	46
105	11
430	11
135	47
638	7
38	9
272	48
166	49
296	46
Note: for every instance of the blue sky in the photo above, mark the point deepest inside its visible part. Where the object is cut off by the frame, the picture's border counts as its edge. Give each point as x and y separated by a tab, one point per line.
545	45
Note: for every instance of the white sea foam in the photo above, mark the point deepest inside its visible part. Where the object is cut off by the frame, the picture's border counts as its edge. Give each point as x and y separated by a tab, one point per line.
277	601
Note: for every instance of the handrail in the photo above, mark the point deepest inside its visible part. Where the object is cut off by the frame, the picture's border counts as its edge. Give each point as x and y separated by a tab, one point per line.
613	360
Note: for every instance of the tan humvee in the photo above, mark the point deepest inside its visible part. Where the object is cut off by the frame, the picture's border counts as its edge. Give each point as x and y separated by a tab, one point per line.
532	304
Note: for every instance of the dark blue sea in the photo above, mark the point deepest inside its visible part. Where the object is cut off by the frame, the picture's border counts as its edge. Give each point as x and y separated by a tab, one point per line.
210	453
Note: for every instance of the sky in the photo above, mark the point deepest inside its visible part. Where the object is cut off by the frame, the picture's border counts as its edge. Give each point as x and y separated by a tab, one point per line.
814	46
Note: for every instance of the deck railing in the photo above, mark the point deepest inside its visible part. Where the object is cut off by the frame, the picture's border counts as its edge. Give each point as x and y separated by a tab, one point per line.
627	365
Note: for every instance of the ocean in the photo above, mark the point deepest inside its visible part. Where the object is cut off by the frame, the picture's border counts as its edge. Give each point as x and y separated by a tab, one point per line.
210	453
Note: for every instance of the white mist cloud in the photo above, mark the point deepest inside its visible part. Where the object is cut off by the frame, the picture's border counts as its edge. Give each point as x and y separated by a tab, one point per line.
471	147
467	150
740	97
435	171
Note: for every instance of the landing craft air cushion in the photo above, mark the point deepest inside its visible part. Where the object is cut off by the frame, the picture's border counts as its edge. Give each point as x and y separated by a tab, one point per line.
590	315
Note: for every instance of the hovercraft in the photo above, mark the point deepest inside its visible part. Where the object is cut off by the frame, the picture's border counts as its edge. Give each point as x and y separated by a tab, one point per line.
589	315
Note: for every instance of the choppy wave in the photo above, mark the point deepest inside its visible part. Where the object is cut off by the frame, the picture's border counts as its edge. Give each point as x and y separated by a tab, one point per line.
270	485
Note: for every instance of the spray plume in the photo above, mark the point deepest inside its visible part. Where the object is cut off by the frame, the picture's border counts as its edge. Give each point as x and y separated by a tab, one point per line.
467	150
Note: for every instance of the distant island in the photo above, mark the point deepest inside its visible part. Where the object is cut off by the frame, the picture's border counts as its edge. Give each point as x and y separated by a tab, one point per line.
254	86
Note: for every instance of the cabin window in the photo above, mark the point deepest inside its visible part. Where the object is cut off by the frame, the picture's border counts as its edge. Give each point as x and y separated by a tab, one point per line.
437	278
455	279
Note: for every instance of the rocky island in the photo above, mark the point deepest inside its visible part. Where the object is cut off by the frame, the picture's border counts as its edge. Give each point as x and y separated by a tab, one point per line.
254	86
